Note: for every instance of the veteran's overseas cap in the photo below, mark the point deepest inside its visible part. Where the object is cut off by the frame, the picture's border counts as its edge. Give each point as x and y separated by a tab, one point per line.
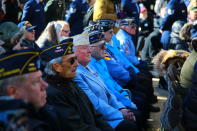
63	48
81	39
127	22
27	25
19	62
95	32
93	26
95	36
107	24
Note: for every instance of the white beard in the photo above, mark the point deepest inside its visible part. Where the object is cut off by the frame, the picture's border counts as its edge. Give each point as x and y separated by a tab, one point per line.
62	38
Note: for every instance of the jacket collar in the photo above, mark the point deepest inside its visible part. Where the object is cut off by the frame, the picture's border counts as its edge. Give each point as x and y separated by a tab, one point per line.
58	81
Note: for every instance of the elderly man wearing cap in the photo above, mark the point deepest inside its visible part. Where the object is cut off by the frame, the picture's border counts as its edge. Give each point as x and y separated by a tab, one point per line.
74	109
93	85
27	40
21	79
124	72
128	28
113	54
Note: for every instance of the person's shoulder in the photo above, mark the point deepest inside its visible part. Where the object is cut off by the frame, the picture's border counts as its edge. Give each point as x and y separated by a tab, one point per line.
195	67
53	91
121	33
30	2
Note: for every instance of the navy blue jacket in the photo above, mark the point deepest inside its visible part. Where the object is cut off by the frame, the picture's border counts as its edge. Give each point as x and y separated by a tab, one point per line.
75	16
131	9
175	10
34	13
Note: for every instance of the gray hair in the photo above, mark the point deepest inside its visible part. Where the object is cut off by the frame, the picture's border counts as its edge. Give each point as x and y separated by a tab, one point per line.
49	69
16	81
51	32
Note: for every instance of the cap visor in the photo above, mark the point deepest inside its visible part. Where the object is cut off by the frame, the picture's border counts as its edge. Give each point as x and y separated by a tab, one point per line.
31	28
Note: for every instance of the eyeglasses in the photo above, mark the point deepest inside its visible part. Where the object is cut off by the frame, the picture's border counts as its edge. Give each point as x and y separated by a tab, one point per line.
111	32
101	46
72	60
66	31
133	26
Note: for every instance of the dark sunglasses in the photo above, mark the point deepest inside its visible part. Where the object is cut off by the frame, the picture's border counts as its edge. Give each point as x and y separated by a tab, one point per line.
72	60
102	46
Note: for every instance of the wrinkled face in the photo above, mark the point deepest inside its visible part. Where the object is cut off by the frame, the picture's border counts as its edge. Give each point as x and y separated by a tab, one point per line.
131	29
98	50
30	35
83	54
33	90
108	35
193	15
65	31
67	68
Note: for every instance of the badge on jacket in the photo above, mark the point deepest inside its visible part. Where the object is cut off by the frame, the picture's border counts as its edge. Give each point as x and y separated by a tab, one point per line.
107	57
37	10
170	11
73	10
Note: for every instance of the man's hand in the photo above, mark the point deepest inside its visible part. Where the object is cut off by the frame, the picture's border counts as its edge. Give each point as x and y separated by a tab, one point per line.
128	115
161	31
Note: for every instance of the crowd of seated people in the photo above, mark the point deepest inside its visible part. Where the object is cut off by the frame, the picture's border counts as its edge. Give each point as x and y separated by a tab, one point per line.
56	73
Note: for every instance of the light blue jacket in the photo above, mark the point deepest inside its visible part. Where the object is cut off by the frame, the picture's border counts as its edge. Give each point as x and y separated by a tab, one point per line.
121	94
102	99
114	47
127	46
118	72
118	65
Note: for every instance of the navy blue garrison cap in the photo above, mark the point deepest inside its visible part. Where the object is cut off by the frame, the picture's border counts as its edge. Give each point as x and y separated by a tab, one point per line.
127	22
107	24
95	36
63	48
93	26
27	25
14	63
95	32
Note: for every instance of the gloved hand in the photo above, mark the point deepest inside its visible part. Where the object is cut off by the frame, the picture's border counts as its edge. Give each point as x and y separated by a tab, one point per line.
142	65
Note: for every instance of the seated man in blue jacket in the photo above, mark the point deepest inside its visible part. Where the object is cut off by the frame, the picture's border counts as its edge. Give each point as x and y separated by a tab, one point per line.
103	99
121	70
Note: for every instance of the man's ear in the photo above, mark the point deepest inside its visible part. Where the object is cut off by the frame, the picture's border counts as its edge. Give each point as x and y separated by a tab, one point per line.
11	90
57	67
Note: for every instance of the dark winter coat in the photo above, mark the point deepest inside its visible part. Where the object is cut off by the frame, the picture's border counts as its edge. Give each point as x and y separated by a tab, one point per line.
73	107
